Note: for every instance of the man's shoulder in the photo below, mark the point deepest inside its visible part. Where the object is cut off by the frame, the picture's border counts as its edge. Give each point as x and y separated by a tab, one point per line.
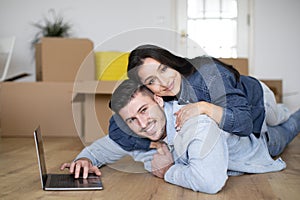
199	121
201	128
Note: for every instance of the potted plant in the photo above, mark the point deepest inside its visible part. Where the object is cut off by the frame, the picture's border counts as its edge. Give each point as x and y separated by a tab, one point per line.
53	29
54	26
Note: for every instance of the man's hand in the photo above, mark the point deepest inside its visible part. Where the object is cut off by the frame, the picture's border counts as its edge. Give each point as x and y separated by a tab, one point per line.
84	164
162	161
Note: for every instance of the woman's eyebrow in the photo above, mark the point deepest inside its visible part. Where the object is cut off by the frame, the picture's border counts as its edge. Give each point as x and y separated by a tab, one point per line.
160	66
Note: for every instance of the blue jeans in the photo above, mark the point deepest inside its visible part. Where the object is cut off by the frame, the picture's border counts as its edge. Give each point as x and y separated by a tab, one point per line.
281	135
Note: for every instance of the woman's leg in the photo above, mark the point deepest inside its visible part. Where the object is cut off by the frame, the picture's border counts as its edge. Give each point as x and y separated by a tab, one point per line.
275	113
281	135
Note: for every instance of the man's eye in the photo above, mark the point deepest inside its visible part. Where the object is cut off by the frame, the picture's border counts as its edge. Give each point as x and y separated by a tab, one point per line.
143	110
129	121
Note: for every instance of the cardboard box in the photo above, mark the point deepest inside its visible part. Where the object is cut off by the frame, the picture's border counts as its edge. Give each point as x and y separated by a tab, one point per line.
60	59
25	105
60	108
94	97
241	64
276	87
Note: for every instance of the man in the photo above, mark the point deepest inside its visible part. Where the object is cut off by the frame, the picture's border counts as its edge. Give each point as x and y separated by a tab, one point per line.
198	157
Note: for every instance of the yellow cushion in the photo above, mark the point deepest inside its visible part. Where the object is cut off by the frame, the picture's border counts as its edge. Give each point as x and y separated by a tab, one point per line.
111	65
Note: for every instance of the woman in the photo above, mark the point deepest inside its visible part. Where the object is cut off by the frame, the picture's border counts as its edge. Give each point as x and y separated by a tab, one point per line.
205	85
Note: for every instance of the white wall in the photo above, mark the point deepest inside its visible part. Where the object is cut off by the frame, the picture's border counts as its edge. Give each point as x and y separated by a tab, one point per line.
275	33
276	45
98	20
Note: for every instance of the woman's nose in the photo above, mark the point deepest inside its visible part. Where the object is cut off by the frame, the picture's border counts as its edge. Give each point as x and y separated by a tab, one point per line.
163	82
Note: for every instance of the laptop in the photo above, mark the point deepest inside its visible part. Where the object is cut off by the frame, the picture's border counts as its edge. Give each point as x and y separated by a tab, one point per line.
62	181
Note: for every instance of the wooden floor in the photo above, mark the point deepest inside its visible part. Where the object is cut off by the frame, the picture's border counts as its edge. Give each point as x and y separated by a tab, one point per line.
19	176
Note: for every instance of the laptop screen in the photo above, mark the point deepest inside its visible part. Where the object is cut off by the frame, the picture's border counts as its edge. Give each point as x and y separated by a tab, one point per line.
40	154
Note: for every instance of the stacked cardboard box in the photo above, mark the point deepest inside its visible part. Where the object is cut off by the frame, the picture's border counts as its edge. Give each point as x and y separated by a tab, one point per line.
49	102
60	60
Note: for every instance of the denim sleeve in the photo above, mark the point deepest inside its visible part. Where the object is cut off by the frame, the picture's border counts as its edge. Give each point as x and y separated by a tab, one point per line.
227	92
237	121
237	118
122	135
217	85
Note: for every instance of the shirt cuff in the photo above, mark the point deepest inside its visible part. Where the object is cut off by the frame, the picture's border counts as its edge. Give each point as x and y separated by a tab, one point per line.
226	120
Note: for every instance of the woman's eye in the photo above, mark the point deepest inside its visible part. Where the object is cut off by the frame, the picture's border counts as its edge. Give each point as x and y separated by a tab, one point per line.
151	82
164	68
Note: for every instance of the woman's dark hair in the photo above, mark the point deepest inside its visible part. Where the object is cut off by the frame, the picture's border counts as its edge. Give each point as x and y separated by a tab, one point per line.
180	64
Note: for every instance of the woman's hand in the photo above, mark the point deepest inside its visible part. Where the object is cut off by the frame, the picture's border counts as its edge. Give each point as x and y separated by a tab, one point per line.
193	109
187	112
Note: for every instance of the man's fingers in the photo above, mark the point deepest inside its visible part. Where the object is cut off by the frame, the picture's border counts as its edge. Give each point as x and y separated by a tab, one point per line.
95	170
81	166
165	149
64	166
77	169
72	166
160	150
85	171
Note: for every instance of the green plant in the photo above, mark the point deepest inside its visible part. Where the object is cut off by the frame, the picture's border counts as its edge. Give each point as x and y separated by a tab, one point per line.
55	26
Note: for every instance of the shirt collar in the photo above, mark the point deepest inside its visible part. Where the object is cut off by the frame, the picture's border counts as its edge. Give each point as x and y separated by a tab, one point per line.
187	94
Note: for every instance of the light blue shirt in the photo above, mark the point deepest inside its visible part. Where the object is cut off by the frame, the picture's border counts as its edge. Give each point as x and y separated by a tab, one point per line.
204	154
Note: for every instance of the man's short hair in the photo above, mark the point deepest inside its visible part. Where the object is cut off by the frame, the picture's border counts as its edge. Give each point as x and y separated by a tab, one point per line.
124	93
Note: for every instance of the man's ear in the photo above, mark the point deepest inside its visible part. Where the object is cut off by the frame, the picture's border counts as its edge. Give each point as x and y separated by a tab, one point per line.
159	100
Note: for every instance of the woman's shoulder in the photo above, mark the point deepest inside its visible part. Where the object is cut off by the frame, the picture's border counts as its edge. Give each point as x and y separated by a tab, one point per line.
201	61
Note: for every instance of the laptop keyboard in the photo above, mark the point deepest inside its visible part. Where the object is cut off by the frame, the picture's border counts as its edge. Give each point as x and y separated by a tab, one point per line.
62	180
68	181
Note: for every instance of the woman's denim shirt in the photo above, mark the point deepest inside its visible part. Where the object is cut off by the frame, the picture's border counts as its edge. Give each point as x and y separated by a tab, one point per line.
242	102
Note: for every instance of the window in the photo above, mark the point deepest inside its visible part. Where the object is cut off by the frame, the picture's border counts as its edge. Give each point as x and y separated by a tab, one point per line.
212	24
219	27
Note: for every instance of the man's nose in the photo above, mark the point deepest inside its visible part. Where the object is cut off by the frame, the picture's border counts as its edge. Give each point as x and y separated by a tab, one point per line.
142	121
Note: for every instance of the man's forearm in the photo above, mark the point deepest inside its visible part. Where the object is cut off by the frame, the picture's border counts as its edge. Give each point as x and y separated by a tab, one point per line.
101	152
106	151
